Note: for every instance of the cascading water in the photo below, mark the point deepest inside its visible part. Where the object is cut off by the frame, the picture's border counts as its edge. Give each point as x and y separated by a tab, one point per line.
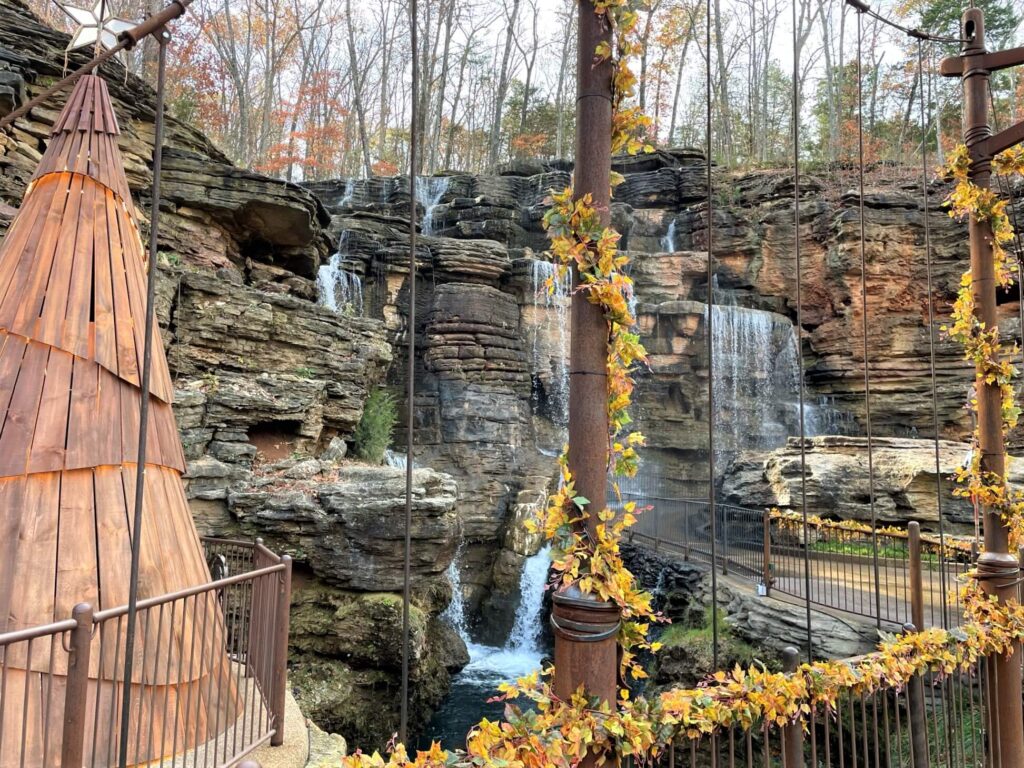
551	338
489	666
396	460
756	381
429	191
350	190
756	378
339	288
668	242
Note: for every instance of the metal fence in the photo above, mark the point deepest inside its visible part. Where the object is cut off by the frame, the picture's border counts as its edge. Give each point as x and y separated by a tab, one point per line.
837	566
208	683
934	722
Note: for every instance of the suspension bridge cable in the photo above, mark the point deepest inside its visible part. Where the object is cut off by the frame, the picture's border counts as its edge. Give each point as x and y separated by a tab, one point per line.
711	357
410	385
864	316
925	121
863	8
799	332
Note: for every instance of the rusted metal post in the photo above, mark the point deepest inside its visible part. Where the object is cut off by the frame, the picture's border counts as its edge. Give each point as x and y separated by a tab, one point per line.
280	673
766	566
997	569
792	733
586	627
725	540
916	576
72	747
916	705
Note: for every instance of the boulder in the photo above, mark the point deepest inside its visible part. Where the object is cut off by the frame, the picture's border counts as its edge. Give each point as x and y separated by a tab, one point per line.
837	480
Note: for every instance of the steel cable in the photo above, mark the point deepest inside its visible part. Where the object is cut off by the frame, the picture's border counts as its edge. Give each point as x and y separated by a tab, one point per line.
711	355
924	100
799	332
410	389
864	316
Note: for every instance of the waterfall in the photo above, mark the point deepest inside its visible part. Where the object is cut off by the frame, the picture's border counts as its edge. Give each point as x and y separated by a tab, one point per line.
527	627
455	613
554	308
429	191
756	379
668	242
340	289
350	190
521	654
396	459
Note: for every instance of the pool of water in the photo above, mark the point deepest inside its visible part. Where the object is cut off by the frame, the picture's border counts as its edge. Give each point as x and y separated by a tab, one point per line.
490	666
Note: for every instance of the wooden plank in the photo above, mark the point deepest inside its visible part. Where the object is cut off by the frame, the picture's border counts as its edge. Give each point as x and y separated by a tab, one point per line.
16	438
114	543
75	324
127	358
88	438
104	330
12	513
12	354
53	304
43	235
109	415
18	235
35	564
50	434
56	237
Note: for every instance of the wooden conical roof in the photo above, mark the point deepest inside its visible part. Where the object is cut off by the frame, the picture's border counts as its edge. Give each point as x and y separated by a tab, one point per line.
72	319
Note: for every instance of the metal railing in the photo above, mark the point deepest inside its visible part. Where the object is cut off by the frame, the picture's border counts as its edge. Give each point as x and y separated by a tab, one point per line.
934	722
209	680
839	566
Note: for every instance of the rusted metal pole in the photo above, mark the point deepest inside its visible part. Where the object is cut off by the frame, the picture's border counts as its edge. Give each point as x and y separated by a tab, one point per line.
792	733
916	576
280	672
766	568
916	718
586	652
72	747
998	570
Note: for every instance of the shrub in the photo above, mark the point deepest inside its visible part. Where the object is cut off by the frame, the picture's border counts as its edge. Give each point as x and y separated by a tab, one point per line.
373	435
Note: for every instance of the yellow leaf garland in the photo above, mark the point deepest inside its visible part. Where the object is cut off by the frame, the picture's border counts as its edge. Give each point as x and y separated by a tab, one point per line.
983	346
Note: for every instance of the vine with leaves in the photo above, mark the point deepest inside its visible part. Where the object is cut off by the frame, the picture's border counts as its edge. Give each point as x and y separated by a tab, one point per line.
983	346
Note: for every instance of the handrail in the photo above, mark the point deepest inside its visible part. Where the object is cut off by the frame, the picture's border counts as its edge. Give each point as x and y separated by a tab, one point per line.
34	633
150	602
238	635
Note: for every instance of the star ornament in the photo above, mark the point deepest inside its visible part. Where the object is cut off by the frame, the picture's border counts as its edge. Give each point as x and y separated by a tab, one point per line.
96	24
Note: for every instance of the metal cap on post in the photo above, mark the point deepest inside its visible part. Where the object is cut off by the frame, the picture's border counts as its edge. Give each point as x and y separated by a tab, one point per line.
586	643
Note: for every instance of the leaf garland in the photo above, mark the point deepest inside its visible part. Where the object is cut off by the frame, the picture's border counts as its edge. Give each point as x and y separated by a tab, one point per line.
983	346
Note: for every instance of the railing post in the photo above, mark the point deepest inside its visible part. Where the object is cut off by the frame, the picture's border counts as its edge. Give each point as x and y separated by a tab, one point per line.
72	747
793	732
280	673
916	705
766	572
725	540
916	577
